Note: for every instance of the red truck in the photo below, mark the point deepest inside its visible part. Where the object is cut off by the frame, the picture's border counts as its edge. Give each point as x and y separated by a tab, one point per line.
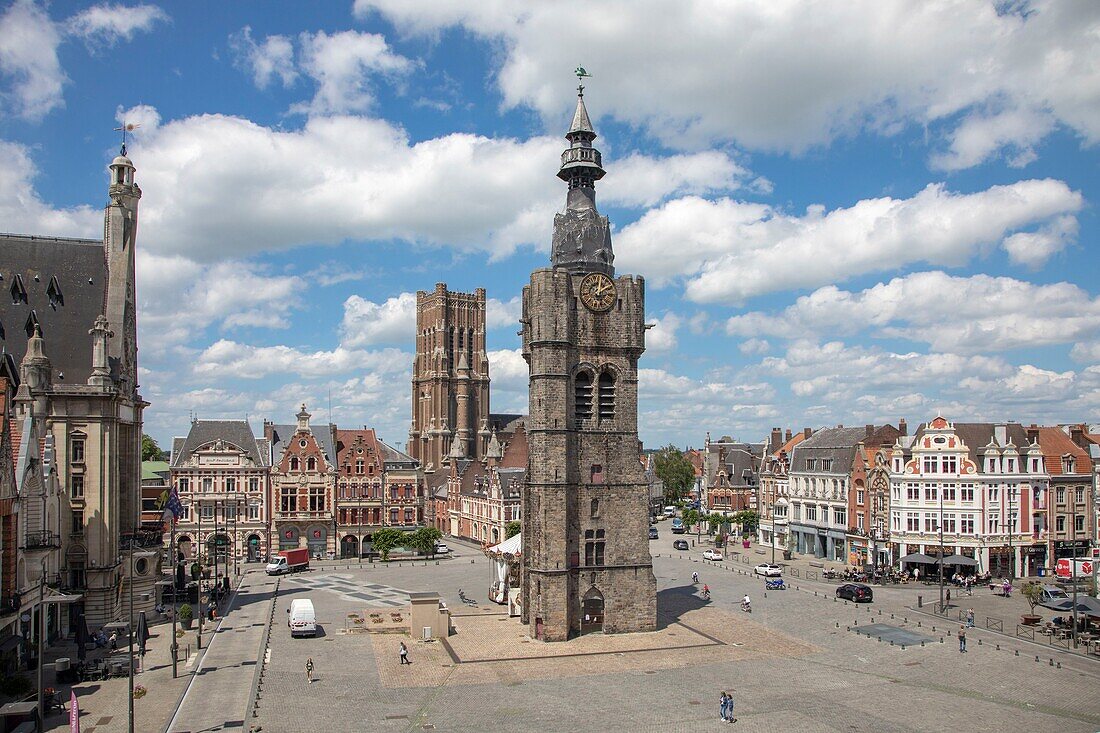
288	561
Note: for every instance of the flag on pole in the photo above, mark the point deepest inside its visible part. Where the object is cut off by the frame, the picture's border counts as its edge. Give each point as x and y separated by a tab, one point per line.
74	714
173	508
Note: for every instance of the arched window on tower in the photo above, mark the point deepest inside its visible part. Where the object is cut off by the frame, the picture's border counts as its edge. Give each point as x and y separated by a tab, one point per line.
294	463
583	396
311	464
607	396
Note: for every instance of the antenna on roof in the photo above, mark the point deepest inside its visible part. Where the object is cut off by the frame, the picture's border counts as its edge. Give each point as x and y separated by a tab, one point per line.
125	128
330	406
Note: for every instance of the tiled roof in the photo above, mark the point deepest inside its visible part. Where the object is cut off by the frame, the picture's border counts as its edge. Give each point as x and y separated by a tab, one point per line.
235	432
75	270
281	435
1055	444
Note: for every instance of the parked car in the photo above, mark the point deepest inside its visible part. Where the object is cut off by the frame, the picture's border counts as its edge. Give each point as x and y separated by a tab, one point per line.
670	511
653	532
712	555
680	545
441	549
855	592
1052	596
768	570
302	619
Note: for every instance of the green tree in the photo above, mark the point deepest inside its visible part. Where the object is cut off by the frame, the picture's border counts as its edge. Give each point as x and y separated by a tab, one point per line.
690	517
384	540
512	529
150	451
423	540
749	520
715	521
675	471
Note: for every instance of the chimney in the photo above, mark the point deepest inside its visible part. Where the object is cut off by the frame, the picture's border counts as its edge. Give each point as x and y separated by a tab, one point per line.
1033	433
840	426
869	430
806	433
1000	432
903	427
777	438
789	436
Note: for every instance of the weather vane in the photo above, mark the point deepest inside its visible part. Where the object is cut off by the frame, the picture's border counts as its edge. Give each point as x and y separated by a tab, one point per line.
129	127
581	75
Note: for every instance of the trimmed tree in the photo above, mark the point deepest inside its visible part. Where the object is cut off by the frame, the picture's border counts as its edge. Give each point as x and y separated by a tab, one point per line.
423	540
150	451
384	540
675	472
512	529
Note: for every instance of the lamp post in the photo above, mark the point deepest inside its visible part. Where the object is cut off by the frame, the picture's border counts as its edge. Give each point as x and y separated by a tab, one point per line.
41	633
1073	565
940	493
1011	529
174	647
236	510
198	581
130	633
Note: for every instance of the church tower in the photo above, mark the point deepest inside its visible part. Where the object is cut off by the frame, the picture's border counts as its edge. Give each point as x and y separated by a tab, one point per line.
586	559
450	385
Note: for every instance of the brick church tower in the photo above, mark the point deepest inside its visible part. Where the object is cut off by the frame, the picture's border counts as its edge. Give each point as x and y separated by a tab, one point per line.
586	560
450	385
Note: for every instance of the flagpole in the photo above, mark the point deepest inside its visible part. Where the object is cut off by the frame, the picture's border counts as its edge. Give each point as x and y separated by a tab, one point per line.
175	592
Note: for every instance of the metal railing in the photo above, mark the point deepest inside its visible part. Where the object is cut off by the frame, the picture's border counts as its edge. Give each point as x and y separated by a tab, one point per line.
41	539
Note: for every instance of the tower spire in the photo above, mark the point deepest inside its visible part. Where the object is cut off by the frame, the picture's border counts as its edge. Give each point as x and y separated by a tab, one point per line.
582	237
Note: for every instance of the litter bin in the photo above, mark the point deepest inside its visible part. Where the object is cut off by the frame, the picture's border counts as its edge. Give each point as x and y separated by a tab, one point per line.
1042	572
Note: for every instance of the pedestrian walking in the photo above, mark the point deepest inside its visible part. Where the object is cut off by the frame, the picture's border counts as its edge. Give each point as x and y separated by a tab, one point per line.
723	706
962	639
729	709
970	618
948	599
309	670
404	653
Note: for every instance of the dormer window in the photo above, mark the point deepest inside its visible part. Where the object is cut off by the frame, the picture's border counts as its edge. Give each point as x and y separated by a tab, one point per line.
1069	464
31	324
311	464
53	292
294	463
18	291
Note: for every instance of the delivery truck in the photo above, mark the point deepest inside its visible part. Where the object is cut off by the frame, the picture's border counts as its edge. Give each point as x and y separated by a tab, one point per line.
288	561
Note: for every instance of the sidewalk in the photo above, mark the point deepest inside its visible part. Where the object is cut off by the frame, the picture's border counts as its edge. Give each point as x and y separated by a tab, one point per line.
220	693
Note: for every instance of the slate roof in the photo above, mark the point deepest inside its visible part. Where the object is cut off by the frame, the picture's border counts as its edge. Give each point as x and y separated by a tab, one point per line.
77	270
236	432
839	444
977	436
391	455
281	435
742	462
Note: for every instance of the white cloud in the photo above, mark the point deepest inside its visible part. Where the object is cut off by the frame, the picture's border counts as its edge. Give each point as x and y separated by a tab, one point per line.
1033	249
366	323
264	61
29	63
1086	352
503	314
229	359
179	298
980	136
341	178
22	211
754	346
729	250
104	25
800	78
963	315
341	65
662	337
144	117
640	180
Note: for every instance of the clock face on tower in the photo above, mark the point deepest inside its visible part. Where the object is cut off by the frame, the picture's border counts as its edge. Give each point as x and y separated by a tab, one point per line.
597	292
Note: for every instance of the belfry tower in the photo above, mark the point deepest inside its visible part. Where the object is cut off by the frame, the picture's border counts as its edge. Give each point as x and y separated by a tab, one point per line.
586	559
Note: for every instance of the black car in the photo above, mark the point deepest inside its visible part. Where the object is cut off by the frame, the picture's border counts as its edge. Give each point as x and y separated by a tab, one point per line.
855	592
653	532
680	545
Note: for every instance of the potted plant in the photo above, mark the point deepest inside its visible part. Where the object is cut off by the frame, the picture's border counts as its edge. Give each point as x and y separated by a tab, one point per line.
186	615
1032	593
139	691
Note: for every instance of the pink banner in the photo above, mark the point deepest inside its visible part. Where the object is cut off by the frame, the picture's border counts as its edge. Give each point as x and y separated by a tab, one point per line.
74	714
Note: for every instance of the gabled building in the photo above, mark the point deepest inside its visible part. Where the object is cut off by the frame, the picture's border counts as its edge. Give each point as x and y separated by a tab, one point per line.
69	319
303	485
979	488
730	475
221	471
774	493
484	496
1071	497
824	470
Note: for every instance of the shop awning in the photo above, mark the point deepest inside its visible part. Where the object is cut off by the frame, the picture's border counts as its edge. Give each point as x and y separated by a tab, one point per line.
511	546
918	557
960	560
63	598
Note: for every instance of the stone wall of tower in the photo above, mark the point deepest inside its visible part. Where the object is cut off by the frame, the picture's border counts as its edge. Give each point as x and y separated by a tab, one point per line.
561	338
449	392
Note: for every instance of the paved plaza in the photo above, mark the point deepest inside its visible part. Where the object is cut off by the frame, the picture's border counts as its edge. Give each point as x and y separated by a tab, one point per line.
352	589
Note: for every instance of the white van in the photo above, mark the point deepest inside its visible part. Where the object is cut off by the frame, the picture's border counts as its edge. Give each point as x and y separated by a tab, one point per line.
302	619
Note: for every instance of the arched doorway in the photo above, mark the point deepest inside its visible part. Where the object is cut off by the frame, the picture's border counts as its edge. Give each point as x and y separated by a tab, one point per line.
288	538
317	541
592	611
349	546
253	543
217	546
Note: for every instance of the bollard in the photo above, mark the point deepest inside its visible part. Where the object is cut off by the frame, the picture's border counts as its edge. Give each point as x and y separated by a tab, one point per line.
920	601
1052	662
998	648
933	628
979	642
849	628
1036	657
1058	665
1017	653
879	638
918	624
941	639
838	624
891	642
891	617
922	644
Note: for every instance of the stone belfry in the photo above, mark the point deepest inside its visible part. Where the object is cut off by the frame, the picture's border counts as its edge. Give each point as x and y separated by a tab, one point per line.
450	385
586	560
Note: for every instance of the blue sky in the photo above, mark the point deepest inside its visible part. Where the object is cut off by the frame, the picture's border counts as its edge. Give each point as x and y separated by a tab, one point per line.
845	212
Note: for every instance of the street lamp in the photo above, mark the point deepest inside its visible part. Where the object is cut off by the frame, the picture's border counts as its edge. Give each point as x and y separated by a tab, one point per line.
942	609
1011	529
198	560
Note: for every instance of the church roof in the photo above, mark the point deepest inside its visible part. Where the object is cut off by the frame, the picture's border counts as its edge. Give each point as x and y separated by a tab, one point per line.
60	283
581	122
